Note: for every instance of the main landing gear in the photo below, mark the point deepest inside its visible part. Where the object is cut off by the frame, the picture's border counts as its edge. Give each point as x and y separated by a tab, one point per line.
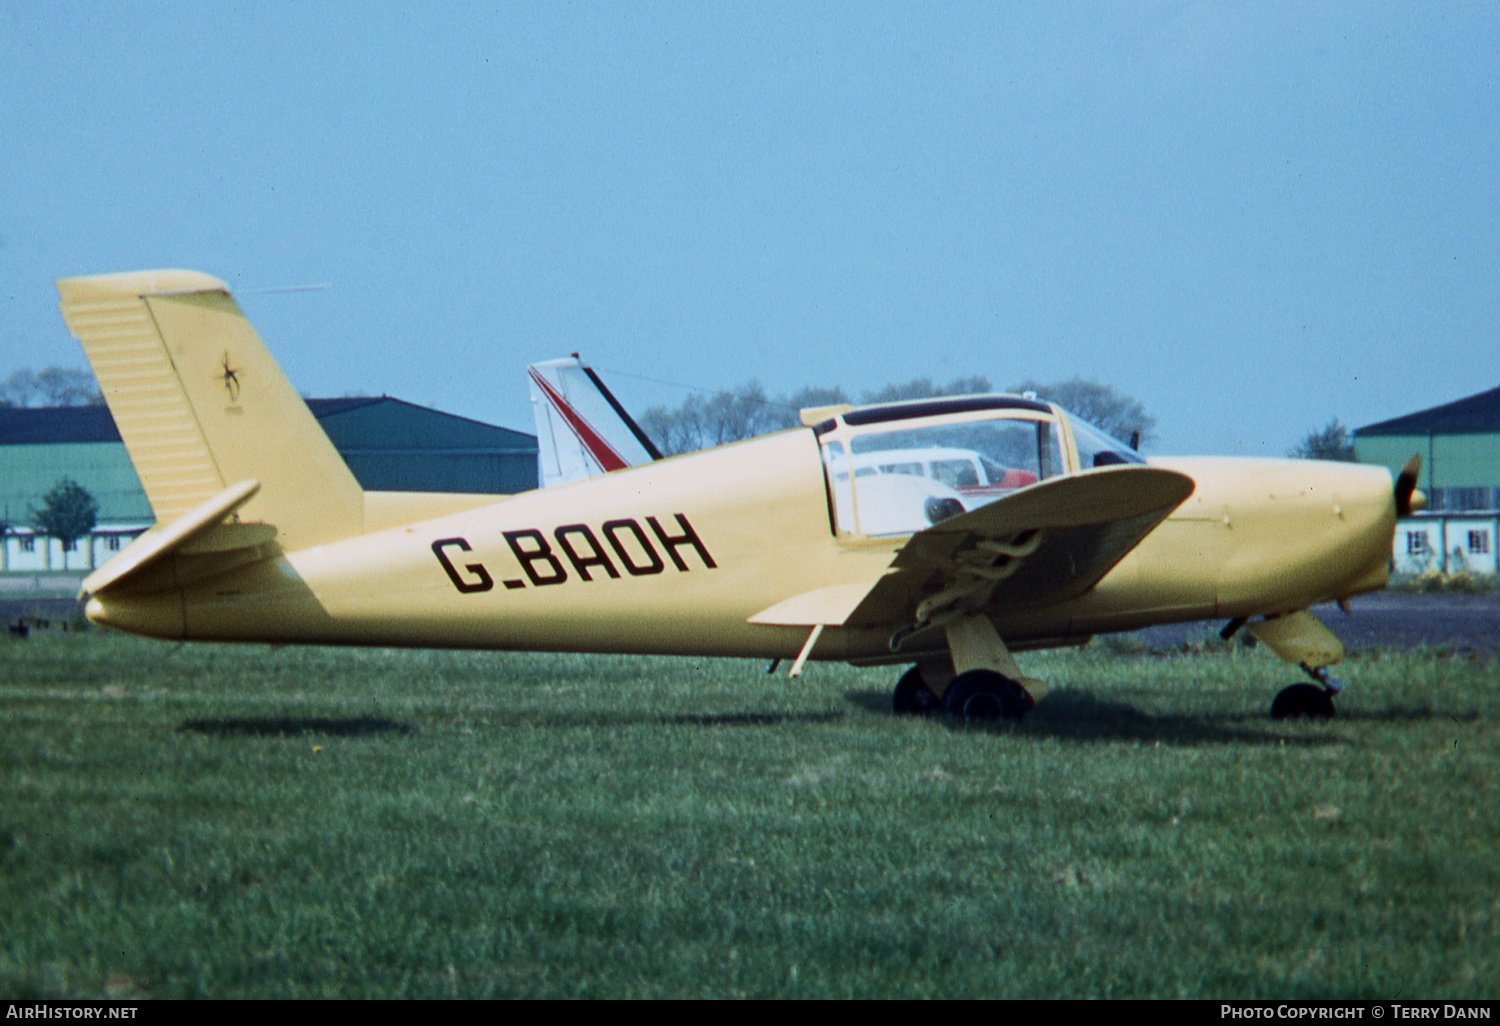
1307	701
986	695
975	695
988	685
913	697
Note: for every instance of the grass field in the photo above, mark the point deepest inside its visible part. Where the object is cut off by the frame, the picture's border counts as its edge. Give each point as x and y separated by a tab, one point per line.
232	821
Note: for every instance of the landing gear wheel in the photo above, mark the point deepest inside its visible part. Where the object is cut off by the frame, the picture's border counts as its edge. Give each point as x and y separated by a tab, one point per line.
913	697
1303	700
986	695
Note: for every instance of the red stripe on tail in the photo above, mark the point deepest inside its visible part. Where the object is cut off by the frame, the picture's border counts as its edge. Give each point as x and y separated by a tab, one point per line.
602	452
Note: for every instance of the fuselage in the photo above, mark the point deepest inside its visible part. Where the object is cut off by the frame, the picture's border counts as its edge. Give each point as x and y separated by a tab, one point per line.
676	556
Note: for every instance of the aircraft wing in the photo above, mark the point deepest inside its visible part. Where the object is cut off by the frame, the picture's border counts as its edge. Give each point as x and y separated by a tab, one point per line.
1044	544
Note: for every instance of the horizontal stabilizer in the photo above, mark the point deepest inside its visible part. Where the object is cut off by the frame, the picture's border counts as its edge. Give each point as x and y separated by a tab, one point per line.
197	531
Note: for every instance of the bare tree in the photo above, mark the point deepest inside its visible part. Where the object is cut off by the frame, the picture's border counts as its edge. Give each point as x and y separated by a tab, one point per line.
17	389
53	386
704	421
924	388
701	422
810	396
1101	405
1333	442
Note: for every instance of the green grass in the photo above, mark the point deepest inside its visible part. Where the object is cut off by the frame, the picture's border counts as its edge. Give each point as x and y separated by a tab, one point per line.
230	821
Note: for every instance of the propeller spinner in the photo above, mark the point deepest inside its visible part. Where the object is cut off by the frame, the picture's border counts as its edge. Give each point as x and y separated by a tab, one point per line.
1408	498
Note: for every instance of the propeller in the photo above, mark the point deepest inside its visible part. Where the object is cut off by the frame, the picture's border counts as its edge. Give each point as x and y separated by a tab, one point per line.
1408	498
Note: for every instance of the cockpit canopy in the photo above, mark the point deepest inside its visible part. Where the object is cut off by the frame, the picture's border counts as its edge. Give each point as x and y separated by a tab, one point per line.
900	468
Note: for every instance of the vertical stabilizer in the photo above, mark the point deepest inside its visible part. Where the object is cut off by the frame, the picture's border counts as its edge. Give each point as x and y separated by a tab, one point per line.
582	430
201	405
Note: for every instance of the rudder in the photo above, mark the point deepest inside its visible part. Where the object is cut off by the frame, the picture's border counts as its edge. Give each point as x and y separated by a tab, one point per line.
201	405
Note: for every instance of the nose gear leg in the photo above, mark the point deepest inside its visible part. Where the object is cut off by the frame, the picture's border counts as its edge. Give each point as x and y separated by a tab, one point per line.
1302	639
1331	684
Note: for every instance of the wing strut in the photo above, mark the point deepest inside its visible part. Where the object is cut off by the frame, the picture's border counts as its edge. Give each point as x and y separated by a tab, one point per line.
812	639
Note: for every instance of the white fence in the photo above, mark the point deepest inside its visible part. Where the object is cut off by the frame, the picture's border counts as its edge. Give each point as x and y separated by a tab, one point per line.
29	552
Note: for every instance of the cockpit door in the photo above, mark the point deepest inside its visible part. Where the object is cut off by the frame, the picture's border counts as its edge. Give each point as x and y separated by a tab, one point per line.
893	476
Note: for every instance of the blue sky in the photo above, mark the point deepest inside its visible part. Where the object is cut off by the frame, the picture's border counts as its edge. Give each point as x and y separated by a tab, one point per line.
1250	216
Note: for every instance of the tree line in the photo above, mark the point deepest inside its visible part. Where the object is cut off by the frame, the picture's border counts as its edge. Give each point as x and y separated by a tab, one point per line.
53	386
705	420
702	421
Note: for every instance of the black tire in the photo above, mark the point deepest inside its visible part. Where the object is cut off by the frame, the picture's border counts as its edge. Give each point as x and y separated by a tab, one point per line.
986	695
1302	700
913	697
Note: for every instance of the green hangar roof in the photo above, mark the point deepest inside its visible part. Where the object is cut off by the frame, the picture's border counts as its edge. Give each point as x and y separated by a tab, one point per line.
395	446
1459	444
1476	415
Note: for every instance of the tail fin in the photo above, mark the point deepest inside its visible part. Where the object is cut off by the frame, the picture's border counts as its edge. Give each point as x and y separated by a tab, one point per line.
582	430
202	406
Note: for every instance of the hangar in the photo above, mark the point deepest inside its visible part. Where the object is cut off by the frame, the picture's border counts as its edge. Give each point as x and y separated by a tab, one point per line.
389	445
1459	443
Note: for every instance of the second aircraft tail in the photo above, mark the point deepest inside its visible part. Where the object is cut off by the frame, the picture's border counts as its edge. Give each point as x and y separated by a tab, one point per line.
582	431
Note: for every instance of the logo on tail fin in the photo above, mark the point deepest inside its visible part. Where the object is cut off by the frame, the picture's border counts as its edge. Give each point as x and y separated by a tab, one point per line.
231	379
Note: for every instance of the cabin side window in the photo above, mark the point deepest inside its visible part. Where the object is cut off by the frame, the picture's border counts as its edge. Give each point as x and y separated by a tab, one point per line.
903	477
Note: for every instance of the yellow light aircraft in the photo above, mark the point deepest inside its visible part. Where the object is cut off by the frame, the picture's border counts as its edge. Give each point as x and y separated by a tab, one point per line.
945	533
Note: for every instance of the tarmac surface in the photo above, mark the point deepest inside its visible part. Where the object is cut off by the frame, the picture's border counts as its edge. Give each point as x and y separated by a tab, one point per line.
1463	622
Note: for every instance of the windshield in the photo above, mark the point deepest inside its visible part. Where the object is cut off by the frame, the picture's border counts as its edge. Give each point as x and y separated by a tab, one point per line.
1097	449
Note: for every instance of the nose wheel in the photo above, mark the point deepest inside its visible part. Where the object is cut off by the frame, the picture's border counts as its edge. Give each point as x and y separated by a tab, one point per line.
1302	701
1307	701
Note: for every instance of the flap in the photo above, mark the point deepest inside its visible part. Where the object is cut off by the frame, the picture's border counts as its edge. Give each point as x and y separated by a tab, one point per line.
830	605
